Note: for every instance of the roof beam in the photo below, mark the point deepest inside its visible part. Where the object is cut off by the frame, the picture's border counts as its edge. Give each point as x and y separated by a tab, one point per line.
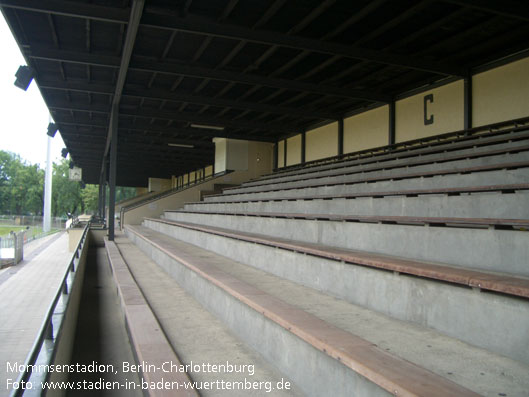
141	92
71	9
179	69
506	8
244	78
175	133
196	25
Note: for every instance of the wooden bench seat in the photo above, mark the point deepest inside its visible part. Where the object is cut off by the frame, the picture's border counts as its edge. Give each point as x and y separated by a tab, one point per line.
387	153
455	191
447	171
502	283
147	337
404	220
339	171
397	376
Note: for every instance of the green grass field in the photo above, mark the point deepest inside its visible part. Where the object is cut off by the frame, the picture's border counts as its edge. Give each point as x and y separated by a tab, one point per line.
33	230
4	230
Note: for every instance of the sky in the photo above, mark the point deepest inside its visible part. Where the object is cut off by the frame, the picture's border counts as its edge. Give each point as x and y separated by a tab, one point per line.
24	116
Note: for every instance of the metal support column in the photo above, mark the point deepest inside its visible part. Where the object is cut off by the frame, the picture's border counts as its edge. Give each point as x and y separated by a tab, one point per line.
112	176
276	155
391	129
340	137
468	103
285	154
303	146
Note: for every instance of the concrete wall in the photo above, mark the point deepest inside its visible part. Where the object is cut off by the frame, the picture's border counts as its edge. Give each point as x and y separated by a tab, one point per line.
66	338
294	150
260	159
322	142
498	95
501	94
220	154
442	113
366	130
159	184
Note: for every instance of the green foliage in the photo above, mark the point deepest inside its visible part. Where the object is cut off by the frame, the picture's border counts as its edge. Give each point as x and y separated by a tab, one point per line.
90	198
21	186
66	194
22	189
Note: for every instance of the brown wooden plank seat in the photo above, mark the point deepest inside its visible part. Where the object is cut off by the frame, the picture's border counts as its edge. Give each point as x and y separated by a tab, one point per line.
387	219
339	171
501	283
147	337
426	174
407	149
455	191
395	375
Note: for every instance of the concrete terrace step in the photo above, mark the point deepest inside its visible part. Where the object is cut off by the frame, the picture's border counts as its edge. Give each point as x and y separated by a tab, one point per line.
195	334
496	174
465	222
385	154
490	249
418	160
386	172
489	281
385	284
503	201
336	348
149	343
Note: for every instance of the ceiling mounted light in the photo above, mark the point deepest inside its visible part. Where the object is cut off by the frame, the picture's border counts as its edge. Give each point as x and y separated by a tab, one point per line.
181	145
207	127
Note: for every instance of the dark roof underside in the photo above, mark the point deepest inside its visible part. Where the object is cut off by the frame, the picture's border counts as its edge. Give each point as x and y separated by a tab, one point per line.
262	69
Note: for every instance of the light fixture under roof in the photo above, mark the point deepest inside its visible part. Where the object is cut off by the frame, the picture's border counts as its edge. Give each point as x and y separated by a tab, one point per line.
181	145
208	127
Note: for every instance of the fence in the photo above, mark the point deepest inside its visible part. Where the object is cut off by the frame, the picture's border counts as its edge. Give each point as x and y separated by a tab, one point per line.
12	248
30	220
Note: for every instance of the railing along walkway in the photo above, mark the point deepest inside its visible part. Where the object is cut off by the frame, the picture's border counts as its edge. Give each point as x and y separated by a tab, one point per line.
25	300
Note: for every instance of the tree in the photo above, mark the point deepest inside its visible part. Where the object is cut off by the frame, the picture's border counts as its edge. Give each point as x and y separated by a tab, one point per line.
90	197
66	194
21	185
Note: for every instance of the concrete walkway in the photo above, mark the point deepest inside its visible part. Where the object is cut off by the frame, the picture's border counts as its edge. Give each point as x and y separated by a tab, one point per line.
24	300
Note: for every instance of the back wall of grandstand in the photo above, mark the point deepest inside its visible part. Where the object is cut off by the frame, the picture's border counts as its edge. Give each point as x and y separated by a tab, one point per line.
498	94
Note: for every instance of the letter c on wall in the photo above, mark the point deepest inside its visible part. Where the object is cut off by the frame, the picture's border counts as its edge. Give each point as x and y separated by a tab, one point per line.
427	119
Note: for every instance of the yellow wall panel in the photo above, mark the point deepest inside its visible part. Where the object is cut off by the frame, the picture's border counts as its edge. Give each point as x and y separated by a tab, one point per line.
501	94
444	109
280	154
366	130
322	142
294	150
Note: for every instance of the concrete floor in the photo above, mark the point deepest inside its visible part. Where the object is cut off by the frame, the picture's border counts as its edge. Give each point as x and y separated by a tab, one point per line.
101	335
26	291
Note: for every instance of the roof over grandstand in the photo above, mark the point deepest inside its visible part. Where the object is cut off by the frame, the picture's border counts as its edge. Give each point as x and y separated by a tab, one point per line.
253	69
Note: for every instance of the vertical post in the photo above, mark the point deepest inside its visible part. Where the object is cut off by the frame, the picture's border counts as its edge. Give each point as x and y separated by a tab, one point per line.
276	155
303	146
112	176
46	221
340	137
100	200
391	124
467	103
285	154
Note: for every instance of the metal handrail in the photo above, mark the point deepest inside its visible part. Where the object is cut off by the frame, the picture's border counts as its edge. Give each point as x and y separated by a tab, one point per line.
46	328
170	192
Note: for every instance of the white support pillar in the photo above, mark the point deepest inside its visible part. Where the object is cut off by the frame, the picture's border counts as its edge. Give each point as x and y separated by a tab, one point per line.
46	219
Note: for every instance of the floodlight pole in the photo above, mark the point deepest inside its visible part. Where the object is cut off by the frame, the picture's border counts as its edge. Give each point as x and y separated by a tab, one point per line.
46	220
